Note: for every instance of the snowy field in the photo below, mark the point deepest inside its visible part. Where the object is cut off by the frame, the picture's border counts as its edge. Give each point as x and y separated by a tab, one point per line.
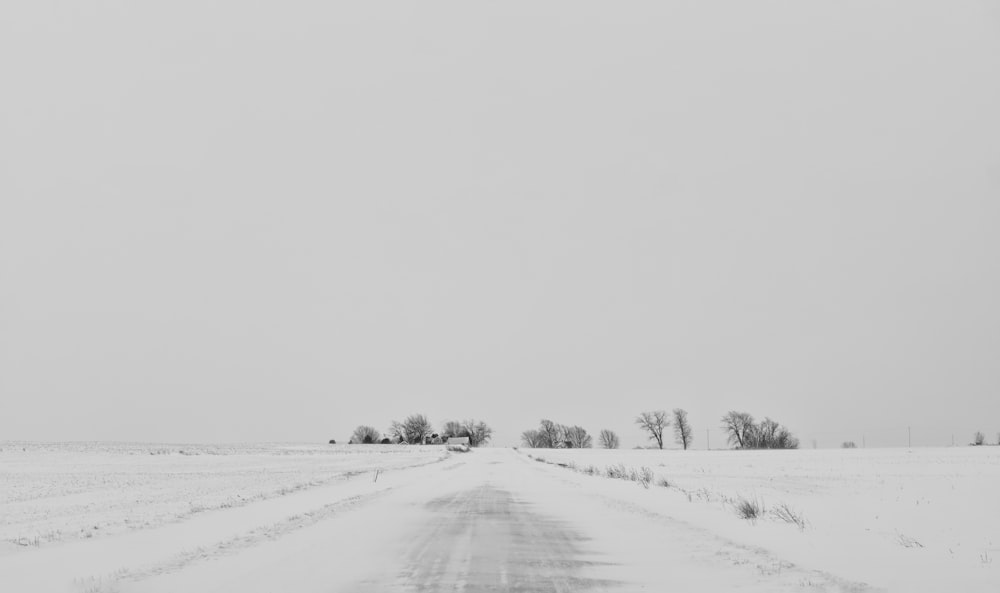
54	492
900	517
135	518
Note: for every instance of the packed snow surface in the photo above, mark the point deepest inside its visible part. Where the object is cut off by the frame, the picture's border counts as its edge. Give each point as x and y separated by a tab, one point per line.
140	518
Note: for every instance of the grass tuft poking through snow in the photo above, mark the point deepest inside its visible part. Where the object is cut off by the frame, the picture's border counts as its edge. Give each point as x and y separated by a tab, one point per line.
750	509
617	472
643	475
789	515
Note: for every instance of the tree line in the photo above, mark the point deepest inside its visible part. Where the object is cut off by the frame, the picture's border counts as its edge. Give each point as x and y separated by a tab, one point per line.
551	435
742	432
417	429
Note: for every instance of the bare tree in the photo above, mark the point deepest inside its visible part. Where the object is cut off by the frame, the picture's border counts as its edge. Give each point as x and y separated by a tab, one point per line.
552	435
414	430
771	435
479	433
396	433
744	433
766	435
577	438
608	439
654	423
978	439
531	438
454	429
785	440
365	435
739	428
682	428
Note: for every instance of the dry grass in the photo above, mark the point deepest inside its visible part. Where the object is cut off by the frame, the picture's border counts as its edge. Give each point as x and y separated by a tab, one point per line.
750	509
787	514
617	471
645	477
642	475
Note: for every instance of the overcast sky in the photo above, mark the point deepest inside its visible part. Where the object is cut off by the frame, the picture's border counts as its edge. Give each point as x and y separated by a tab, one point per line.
238	220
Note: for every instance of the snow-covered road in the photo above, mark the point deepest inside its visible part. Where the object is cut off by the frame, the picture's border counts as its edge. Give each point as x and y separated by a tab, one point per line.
504	523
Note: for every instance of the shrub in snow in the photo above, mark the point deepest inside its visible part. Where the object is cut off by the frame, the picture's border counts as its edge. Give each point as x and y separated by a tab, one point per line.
645	477
849	445
618	471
